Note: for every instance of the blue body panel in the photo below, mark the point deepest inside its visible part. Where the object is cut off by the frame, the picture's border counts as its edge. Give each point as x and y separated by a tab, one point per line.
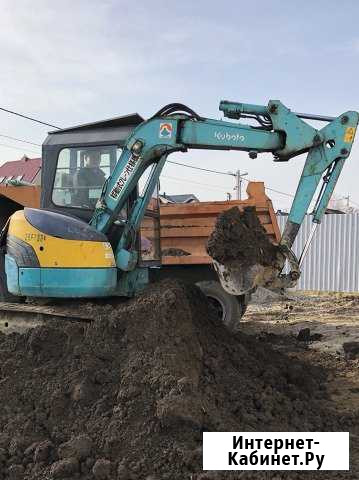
12	275
60	282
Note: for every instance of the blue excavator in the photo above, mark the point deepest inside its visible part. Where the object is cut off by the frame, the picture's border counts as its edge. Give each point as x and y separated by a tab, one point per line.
84	241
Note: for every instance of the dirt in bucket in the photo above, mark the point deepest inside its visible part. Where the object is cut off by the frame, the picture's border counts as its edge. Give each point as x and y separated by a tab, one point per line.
239	236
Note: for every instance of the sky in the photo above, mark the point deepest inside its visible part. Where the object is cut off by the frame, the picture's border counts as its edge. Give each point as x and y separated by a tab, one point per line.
70	62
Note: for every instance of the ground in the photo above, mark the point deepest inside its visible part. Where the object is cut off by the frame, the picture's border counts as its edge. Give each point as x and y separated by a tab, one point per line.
128	395
333	320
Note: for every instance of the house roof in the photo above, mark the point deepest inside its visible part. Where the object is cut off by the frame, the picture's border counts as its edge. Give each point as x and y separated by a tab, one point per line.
184	198
26	168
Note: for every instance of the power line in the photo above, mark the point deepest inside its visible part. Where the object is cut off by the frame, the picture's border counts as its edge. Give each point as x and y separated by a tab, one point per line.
17	148
163	176
271	189
20	140
169	161
230	174
203	169
277	191
354	203
29	118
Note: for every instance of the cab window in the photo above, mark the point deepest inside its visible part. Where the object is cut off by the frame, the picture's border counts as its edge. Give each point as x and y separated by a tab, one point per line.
81	173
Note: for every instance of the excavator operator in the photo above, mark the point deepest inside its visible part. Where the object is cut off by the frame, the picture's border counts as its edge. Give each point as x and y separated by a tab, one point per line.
89	179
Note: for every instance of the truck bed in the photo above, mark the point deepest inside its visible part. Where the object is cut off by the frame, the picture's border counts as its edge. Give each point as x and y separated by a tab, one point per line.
185	227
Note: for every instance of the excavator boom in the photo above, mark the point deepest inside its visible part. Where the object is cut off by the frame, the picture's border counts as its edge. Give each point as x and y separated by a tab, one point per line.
280	132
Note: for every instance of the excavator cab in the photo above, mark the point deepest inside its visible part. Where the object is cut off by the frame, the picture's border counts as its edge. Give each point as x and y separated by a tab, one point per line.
77	163
53	251
69	180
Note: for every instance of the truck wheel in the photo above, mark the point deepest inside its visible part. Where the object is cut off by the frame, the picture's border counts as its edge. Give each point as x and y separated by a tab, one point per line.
229	307
5	295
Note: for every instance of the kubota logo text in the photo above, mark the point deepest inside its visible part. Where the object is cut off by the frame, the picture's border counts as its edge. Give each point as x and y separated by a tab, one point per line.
229	137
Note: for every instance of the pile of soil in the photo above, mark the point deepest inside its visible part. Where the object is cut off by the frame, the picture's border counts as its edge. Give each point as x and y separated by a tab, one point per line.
174	252
239	236
129	395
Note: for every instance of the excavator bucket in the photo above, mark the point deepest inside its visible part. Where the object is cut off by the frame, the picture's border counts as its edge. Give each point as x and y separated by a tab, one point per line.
242	254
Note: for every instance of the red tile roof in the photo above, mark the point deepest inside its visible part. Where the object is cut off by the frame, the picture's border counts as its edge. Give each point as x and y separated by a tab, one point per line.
28	168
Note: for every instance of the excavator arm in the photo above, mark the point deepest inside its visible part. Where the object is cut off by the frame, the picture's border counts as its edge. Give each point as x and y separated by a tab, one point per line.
280	132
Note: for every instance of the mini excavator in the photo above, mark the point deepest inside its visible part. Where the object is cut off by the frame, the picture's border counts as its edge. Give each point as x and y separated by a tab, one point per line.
56	252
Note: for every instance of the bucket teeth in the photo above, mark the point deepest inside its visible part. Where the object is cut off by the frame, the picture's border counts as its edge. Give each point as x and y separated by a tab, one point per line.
237	279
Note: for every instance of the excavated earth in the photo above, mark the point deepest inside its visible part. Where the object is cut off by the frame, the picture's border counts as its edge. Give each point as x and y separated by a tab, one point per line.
239	236
129	395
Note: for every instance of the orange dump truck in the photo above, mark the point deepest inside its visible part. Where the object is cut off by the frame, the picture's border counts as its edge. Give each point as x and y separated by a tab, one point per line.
184	230
13	198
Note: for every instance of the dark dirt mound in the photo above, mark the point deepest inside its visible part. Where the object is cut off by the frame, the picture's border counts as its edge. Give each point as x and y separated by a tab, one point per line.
128	396
239	236
174	252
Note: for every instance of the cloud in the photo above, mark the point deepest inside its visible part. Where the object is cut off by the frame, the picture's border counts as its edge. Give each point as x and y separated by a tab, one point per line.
71	62
70	56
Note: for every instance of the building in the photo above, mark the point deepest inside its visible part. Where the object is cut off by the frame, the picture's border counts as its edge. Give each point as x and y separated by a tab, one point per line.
25	170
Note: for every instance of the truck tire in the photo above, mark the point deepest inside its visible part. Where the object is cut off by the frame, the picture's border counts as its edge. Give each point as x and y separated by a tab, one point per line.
229	307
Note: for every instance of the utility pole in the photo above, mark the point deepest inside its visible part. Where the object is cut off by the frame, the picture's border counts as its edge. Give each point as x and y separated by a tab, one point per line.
238	185
239	180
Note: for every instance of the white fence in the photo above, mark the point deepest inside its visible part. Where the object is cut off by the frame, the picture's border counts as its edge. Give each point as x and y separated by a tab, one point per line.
332	262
